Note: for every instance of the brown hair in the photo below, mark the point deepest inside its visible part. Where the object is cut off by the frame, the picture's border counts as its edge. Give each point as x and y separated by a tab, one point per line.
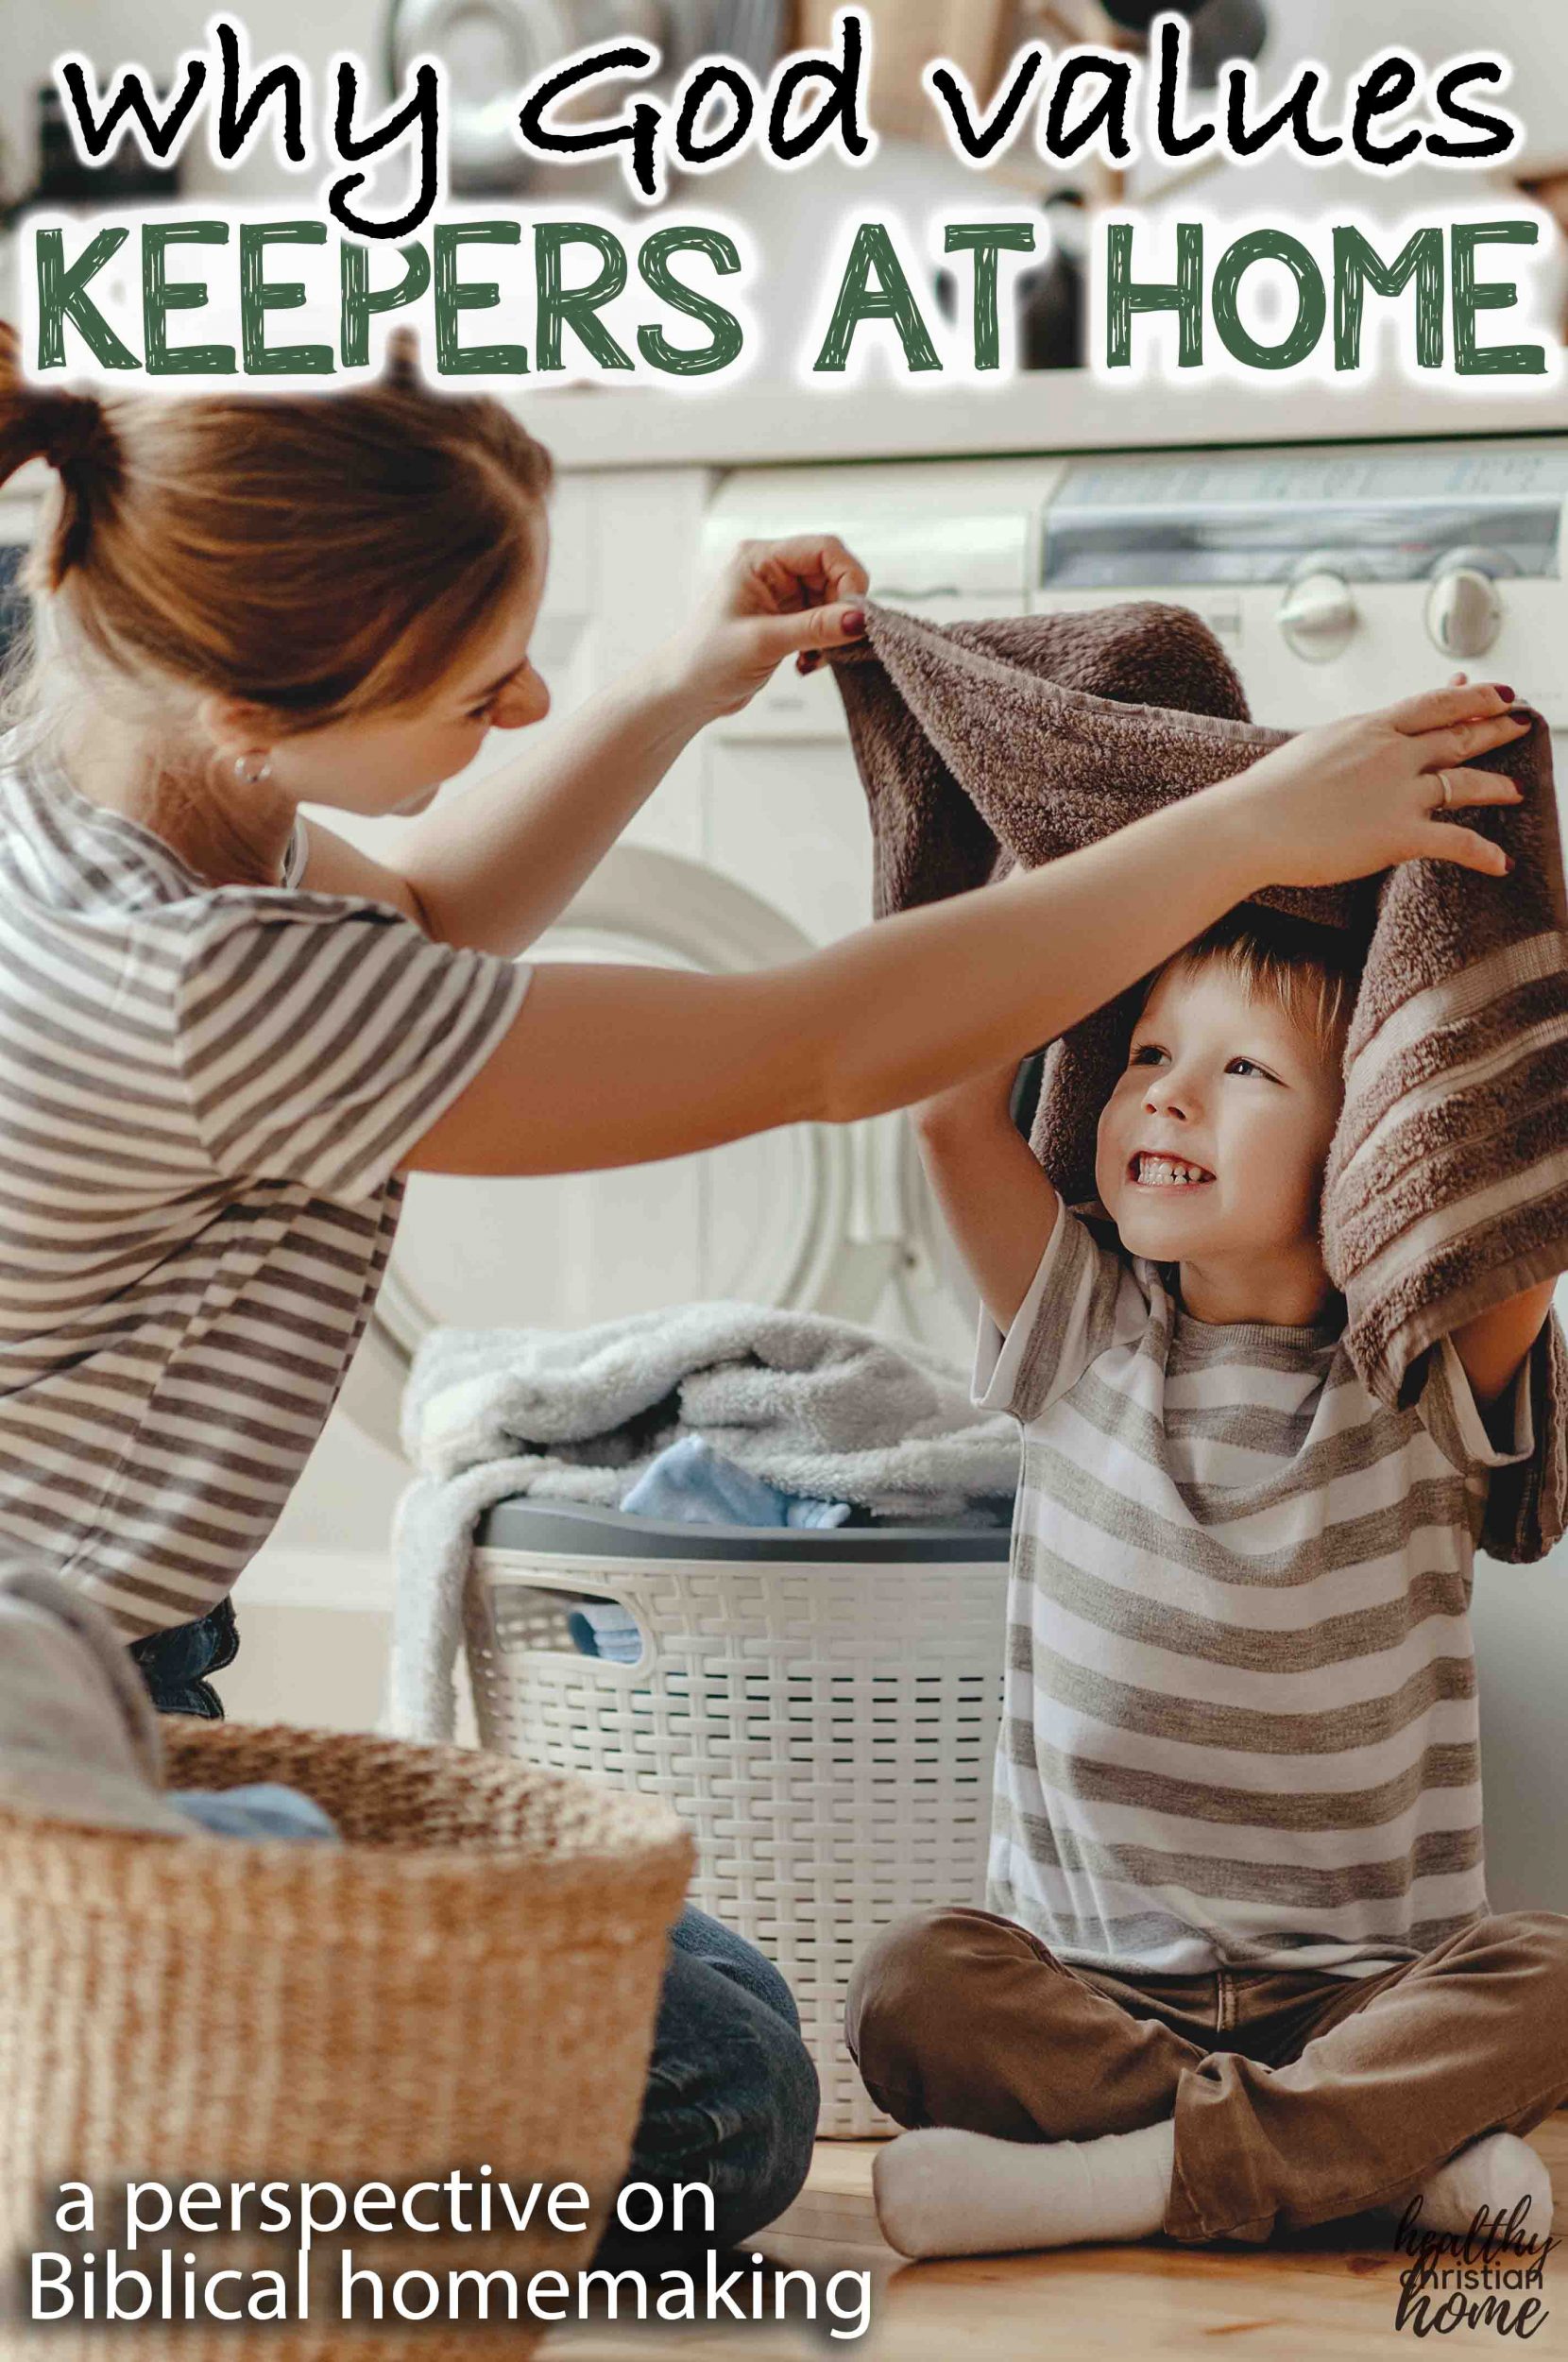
1310	971
322	556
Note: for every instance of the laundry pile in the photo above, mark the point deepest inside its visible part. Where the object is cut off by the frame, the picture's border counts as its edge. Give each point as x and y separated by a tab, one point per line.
1016	741
79	1738
734	1413
689	1484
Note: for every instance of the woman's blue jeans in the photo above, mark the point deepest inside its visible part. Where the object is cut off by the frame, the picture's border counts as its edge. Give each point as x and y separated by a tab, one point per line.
174	1662
732	2093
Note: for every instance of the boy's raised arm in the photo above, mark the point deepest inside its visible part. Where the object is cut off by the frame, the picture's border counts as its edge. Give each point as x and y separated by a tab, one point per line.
995	1197
1494	1346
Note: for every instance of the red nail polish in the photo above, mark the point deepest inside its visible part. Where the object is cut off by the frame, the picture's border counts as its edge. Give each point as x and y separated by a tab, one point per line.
854	623
1507	694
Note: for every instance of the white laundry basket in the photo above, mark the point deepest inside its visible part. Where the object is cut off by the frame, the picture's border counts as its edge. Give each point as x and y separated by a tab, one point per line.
820	1706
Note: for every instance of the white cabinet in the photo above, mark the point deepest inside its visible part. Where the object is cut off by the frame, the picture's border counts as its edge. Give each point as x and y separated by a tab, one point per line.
625	564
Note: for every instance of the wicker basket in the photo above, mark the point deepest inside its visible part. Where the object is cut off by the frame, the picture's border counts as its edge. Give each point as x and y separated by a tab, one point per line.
469	1979
827	1724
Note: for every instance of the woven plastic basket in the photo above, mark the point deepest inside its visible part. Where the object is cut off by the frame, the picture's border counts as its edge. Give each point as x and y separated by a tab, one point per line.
825	1719
470	1979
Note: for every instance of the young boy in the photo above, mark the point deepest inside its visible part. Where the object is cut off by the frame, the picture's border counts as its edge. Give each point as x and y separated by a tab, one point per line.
1238	1969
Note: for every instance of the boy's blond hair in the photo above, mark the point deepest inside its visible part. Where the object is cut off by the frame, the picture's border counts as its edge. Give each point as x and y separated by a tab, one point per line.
1310	971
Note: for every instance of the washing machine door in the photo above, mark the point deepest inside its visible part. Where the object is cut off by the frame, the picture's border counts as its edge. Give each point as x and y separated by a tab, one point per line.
834	1219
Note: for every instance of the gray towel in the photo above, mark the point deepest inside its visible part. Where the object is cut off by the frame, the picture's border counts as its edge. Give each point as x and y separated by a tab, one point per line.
78	1738
1016	741
812	1405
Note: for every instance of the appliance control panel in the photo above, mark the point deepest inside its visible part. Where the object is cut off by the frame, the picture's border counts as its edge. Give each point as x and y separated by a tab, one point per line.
1335	575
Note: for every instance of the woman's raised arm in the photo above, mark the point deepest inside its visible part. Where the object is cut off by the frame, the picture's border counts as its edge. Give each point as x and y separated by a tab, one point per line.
494	867
620	1065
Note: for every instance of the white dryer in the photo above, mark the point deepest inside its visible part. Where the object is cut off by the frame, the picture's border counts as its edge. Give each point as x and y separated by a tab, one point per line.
821	1218
725	871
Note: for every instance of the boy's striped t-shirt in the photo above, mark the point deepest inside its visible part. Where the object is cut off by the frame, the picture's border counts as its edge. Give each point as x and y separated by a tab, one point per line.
204	1098
1241	1719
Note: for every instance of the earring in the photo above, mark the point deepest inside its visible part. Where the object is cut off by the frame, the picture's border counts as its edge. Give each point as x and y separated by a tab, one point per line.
251	769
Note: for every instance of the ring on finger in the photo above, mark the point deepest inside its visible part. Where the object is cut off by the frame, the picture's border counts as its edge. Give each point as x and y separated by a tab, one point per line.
1447	779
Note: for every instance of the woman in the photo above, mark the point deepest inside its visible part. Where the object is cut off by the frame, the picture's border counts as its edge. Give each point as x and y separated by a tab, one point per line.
223	1041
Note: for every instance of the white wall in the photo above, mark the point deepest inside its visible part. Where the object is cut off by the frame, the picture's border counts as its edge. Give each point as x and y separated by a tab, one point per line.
1521	1620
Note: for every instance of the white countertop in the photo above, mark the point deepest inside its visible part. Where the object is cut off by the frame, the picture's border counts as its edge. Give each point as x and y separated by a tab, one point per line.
1051	411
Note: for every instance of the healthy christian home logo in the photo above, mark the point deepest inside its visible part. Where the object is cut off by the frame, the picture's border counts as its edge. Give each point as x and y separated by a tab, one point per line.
1488	2276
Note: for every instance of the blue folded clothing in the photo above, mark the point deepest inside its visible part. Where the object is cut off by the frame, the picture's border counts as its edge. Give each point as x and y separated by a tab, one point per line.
265	1808
692	1485
602	1628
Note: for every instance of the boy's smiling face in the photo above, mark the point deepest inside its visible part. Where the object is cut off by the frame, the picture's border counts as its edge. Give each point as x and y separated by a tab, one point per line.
1212	1146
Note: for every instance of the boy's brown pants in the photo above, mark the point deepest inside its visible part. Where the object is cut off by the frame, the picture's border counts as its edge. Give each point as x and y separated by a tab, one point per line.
1298	2097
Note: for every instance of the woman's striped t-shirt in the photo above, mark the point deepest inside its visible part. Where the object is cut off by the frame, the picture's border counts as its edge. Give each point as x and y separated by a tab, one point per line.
205	1094
1240	1722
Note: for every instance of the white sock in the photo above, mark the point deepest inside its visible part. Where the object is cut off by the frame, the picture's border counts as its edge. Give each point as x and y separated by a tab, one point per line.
950	2193
1496	2173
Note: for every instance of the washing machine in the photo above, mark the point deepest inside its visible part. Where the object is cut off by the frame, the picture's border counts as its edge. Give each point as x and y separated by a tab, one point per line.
711	877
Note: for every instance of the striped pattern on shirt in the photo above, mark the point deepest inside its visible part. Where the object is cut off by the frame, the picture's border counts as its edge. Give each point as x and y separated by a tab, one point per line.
204	1096
1240	1722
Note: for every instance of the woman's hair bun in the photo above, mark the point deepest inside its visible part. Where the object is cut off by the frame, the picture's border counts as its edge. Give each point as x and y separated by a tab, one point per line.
322	555
72	428
73	433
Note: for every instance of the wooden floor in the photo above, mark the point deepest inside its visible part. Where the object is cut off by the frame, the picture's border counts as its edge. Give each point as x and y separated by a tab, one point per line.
1328	2295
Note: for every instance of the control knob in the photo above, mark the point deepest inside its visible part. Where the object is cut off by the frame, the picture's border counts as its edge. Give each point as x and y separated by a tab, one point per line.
1464	606
1318	616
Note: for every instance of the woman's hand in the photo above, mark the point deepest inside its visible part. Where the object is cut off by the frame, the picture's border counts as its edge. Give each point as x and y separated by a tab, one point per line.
773	599
1358	796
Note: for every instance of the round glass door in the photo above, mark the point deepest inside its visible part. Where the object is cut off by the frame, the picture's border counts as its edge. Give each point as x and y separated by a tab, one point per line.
822	1218
763	1218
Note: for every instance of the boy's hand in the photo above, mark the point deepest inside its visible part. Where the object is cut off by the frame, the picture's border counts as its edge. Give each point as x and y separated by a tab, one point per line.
1355	797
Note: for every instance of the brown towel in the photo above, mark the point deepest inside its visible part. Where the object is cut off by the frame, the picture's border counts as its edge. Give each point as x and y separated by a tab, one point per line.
985	744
